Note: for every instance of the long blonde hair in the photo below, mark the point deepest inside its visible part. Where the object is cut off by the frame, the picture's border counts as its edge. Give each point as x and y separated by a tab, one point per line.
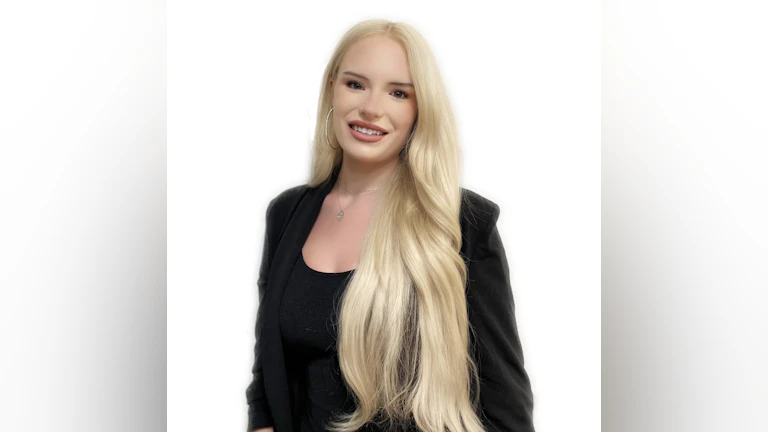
403	338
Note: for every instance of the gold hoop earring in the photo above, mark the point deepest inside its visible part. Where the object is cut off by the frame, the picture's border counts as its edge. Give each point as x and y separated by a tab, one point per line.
326	130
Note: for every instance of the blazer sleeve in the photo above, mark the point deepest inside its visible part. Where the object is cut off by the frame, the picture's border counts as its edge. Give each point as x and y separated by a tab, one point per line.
506	400
258	409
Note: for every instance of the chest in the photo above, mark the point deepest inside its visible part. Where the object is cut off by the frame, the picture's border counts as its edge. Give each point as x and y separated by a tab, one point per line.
334	245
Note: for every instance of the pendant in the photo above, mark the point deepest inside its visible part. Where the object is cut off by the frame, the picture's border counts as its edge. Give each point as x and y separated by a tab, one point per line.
340	215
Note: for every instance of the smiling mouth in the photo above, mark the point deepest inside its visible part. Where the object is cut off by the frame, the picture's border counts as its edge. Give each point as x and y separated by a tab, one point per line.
363	131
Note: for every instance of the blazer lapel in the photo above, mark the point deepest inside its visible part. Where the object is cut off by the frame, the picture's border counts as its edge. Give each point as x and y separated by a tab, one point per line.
294	237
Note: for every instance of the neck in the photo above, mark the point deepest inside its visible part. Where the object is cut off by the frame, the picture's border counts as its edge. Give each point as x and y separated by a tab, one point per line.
356	177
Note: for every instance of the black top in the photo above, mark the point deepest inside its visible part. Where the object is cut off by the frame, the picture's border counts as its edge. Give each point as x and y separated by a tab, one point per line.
309	324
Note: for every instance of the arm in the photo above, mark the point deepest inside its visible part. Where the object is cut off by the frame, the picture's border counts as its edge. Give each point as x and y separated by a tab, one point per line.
506	399
259	417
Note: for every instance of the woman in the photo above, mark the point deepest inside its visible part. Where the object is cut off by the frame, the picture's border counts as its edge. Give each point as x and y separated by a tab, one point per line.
384	290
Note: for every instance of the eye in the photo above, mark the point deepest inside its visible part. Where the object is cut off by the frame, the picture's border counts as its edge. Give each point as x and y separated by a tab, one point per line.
404	94
351	84
354	85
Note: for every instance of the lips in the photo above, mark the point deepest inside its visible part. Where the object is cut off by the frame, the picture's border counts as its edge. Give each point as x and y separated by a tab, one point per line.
365	137
371	126
351	126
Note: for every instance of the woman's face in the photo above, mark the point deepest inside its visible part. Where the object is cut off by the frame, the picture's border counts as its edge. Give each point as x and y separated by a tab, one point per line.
374	86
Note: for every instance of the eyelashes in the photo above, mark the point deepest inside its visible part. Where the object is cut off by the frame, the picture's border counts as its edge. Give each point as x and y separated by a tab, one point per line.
351	84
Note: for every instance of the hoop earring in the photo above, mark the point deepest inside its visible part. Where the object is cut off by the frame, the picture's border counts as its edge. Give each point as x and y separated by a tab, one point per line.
326	130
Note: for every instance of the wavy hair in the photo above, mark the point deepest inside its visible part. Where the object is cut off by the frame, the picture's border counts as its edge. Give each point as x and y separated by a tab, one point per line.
403	331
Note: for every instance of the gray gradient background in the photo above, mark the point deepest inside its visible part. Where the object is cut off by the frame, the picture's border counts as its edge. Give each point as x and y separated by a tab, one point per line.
82	216
685	237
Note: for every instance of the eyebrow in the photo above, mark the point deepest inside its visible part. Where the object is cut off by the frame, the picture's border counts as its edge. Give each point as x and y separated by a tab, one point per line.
403	84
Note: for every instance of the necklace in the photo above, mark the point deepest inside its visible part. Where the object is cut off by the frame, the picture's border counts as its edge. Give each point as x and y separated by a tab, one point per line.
340	215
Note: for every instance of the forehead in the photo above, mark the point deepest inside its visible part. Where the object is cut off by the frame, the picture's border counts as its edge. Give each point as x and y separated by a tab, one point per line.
378	58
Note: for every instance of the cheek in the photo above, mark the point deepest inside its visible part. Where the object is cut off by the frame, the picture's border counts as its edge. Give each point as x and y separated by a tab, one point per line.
407	117
405	122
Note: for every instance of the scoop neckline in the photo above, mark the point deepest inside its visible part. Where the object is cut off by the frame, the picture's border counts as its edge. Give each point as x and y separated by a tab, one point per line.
301	253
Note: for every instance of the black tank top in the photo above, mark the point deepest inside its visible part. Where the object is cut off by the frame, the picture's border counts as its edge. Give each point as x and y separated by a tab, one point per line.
309	325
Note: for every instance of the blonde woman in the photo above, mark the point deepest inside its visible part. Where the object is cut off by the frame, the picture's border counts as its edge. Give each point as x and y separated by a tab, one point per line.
385	301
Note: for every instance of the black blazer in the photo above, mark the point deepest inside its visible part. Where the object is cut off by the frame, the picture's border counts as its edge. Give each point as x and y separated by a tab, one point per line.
506	400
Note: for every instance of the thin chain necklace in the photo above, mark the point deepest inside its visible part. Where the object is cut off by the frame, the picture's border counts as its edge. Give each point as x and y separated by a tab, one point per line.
340	215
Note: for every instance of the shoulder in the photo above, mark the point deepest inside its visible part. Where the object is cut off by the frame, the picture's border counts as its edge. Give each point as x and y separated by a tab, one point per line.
289	195
283	204
478	218
477	212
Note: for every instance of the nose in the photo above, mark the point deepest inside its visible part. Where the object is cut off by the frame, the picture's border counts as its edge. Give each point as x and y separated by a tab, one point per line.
371	107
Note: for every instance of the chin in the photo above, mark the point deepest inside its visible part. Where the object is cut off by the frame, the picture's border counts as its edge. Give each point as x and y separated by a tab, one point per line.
365	153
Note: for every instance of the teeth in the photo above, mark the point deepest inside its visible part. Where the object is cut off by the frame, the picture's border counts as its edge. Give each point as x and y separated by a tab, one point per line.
367	131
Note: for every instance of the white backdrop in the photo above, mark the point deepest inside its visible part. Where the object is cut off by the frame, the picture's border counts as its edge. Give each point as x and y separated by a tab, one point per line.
244	77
